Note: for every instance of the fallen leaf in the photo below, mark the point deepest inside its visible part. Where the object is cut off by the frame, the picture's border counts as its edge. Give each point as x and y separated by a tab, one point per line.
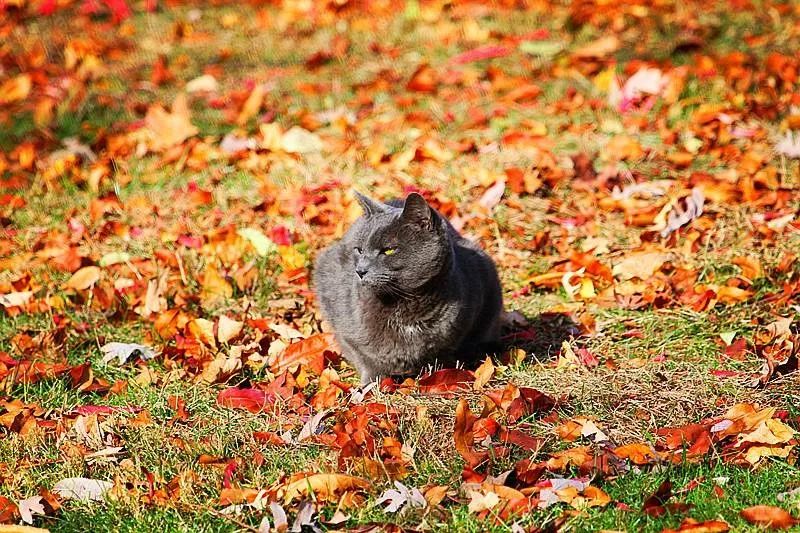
253	400
300	141
462	434
15	89
769	516
124	351
84	278
483	374
322	486
29	507
81	488
228	329
401	496
167	129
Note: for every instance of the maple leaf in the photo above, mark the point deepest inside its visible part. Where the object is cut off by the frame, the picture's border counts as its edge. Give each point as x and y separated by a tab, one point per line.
165	129
401	497
30	506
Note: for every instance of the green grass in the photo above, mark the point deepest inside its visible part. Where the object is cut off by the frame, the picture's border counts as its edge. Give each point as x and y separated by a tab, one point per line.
630	394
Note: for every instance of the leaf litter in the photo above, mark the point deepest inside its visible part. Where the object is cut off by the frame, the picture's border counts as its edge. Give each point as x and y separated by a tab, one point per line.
671	204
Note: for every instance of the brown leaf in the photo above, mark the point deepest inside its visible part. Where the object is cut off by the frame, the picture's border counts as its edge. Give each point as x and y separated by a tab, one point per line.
463	436
769	516
654	504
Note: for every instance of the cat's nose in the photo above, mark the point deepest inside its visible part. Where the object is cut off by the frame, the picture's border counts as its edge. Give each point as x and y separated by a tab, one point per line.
361	272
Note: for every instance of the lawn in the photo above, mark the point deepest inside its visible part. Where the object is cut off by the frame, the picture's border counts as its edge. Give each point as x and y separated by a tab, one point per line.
169	172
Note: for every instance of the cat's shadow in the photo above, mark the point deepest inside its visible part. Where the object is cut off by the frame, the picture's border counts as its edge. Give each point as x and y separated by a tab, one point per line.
540	336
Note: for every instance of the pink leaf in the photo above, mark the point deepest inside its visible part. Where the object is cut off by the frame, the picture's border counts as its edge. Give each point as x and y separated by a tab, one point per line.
480	53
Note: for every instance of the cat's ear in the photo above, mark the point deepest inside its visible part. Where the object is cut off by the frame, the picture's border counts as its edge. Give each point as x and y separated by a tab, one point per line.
417	211
369	205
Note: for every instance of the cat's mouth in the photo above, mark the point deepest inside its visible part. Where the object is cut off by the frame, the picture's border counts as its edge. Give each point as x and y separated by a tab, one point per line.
386	289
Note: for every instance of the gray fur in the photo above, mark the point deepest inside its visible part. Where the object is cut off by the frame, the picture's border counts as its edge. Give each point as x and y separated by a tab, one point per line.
436	300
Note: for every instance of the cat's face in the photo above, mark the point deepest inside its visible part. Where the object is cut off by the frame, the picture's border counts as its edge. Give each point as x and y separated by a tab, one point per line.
394	251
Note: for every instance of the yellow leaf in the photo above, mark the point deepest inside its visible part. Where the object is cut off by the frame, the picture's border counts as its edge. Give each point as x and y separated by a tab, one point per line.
203	330
483	374
215	286
84	278
587	289
15	89
291	259
756	453
770	431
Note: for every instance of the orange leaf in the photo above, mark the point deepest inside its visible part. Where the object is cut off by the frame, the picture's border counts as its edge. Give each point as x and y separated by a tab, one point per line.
84	278
309	353
15	89
639	453
483	374
768	515
423	80
323	486
693	526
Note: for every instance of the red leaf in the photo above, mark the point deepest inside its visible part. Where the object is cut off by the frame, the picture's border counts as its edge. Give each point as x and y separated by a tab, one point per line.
530	401
654	504
482	52
587	358
230	468
8	511
190	241
47	7
253	400
768	515
446	380
737	349
280	235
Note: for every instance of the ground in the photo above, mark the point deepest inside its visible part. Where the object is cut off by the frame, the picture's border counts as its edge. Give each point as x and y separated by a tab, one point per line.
170	172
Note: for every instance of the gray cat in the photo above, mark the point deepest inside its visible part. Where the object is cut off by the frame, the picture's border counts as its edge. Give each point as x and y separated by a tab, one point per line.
402	290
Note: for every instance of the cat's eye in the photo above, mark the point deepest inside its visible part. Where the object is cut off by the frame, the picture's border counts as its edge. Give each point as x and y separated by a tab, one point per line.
389	251
357	250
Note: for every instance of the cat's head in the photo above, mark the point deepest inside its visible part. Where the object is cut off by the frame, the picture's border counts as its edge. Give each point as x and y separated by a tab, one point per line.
394	251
